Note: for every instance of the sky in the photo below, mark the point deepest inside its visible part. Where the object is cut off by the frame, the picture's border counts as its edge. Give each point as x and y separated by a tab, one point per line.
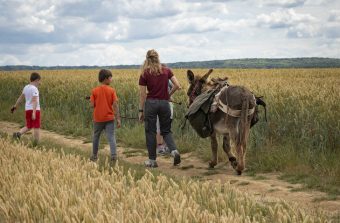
115	32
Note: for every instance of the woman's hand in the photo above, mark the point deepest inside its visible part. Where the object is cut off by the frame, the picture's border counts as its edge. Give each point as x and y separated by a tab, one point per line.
141	117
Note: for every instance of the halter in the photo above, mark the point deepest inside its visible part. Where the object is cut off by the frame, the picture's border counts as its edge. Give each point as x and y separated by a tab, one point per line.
193	92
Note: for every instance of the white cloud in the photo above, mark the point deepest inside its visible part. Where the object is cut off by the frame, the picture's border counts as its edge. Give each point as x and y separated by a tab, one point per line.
284	3
303	30
320	2
9	60
334	16
106	32
32	16
331	31
284	18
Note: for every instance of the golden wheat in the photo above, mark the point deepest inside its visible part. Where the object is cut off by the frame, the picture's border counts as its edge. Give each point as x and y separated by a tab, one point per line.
301	102
42	186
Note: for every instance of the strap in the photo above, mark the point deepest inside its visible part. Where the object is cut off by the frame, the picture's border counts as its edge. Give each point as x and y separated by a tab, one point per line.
185	123
233	112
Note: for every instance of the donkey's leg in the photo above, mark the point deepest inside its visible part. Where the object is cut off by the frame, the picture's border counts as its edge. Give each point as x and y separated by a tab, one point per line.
227	150
240	158
243	148
214	146
239	152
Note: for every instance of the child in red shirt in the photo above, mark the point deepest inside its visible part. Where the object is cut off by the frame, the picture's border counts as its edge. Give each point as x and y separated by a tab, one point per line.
104	101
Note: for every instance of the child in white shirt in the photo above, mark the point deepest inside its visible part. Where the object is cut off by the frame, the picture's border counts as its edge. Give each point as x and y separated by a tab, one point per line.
32	108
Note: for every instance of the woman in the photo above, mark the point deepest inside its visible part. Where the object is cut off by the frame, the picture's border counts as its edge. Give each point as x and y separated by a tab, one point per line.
154	78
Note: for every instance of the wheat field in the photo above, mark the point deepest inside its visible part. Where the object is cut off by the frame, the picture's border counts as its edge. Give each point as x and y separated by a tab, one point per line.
44	186
301	136
301	102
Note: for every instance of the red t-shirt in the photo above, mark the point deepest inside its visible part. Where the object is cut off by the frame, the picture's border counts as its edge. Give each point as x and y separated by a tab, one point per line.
157	85
103	98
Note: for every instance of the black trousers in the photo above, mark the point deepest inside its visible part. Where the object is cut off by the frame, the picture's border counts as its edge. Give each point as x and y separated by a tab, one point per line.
160	108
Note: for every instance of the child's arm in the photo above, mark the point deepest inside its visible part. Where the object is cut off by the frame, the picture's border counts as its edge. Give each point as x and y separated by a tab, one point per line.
117	114
92	99
92	104
35	104
17	103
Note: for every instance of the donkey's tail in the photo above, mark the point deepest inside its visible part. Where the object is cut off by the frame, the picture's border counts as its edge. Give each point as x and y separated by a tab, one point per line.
243	130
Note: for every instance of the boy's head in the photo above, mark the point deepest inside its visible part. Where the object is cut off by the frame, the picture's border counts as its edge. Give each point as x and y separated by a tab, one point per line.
35	77
104	76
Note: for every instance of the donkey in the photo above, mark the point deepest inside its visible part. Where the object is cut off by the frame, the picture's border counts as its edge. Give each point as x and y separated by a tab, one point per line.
232	118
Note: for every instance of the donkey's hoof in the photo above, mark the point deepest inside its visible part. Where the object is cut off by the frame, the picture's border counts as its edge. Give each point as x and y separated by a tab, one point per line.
212	164
234	164
239	172
231	159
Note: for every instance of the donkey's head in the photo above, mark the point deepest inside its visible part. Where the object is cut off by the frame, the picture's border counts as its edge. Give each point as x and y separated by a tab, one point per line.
197	84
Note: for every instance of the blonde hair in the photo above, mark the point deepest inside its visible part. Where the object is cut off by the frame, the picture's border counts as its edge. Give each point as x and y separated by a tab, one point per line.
151	63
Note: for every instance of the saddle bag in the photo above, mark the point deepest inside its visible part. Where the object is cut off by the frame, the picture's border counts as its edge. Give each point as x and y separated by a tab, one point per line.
198	114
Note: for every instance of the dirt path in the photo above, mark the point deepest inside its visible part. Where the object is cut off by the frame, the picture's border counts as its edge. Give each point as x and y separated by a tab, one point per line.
266	187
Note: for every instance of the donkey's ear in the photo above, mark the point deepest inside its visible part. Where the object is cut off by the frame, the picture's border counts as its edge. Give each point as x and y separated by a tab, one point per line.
191	76
205	77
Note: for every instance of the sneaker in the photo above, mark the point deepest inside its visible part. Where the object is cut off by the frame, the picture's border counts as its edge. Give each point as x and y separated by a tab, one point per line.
16	135
160	147
177	157
163	150
94	158
151	163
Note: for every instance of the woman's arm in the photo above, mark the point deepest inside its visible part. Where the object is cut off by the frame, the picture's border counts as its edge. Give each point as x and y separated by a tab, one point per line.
142	98
176	86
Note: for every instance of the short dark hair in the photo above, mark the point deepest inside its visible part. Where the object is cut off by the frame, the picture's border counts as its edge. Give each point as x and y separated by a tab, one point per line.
104	74
34	76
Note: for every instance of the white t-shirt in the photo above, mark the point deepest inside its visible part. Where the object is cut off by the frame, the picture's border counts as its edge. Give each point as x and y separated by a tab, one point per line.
30	91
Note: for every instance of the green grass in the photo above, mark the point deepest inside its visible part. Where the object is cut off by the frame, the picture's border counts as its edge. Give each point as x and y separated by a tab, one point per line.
326	198
315	182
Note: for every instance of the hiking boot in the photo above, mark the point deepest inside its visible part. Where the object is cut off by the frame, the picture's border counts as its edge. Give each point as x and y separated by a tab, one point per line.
177	157
94	158
151	163
16	135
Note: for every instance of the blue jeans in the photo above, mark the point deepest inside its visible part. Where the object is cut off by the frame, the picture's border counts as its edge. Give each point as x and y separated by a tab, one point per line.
98	127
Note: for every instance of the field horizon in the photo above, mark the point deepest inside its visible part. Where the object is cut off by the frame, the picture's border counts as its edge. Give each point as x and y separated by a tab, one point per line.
245	63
